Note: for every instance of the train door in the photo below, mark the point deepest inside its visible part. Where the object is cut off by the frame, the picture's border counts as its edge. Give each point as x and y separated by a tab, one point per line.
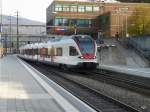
52	54
65	54
43	53
32	50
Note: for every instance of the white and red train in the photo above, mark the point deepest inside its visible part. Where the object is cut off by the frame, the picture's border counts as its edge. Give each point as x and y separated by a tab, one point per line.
73	51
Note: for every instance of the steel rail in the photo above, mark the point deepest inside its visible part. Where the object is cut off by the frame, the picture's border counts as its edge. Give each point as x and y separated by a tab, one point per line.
108	98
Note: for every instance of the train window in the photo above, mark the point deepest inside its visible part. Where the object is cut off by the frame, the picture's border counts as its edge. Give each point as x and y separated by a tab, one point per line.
32	52
86	44
58	51
43	52
46	52
53	51
39	51
28	51
49	51
73	51
36	51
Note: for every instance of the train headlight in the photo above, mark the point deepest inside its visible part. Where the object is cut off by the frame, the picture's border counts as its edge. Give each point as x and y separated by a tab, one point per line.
94	57
81	57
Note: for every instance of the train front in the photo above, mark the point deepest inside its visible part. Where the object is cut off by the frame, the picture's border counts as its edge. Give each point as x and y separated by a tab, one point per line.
88	49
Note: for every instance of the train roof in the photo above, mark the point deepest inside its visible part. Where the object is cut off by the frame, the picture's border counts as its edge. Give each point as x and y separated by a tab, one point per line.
67	37
55	41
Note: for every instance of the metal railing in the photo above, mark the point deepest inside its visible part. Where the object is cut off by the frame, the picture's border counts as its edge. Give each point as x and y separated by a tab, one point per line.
141	44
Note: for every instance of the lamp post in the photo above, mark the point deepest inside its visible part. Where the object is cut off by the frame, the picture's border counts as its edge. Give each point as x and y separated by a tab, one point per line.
40	35
17	35
10	36
127	25
6	43
1	27
1	18
75	29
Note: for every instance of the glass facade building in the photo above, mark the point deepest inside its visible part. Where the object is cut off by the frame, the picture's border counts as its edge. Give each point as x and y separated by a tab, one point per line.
71	22
71	15
89	17
76	8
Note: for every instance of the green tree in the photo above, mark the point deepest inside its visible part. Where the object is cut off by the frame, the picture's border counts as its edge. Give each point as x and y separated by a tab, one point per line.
139	21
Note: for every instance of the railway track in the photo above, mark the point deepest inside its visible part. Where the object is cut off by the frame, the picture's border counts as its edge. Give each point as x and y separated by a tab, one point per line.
92	96
134	83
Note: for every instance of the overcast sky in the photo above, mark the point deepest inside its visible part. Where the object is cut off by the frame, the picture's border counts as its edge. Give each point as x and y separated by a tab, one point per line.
30	9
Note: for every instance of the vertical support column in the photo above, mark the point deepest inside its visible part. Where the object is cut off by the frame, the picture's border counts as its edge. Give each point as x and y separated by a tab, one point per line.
11	40
1	17
126	25
17	35
75	29
110	54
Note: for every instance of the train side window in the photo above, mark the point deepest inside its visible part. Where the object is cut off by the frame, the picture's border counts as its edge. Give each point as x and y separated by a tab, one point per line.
43	52
28	51
36	51
39	51
59	51
46	52
53	52
33	52
73	51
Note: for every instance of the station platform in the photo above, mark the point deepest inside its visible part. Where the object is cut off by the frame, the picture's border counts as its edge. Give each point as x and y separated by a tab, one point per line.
142	72
24	89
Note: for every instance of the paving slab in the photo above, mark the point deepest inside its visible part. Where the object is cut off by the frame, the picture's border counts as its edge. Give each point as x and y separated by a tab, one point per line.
20	92
24	89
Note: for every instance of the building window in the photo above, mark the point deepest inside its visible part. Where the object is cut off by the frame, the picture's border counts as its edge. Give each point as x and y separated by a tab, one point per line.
73	8
73	22
102	8
58	51
50	22
65	22
83	23
90	23
95	9
88	8
73	51
58	22
66	8
58	7
81	9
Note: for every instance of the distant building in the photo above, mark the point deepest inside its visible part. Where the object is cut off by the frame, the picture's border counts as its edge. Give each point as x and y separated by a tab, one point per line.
136	1
105	1
86	17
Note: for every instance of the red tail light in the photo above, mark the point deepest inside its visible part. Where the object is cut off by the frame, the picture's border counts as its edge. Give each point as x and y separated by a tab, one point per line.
89	56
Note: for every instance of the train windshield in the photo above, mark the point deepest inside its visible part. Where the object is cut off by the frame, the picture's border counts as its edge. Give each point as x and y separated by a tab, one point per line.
86	44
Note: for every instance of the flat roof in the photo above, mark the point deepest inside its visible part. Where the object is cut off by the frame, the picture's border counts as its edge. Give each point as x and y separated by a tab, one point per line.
91	2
